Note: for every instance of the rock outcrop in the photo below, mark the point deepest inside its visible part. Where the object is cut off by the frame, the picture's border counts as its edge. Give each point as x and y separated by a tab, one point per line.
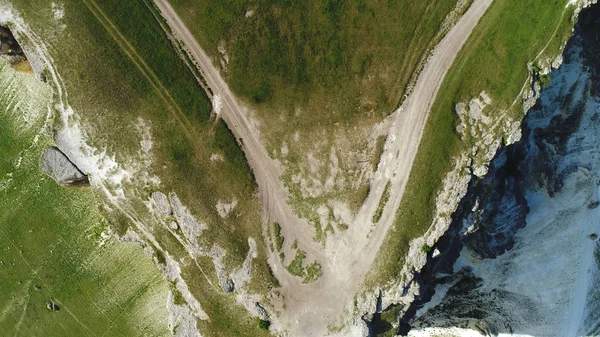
58	166
12	51
527	231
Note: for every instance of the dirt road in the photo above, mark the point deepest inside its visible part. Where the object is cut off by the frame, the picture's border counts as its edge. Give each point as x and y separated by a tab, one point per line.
311	308
266	170
403	142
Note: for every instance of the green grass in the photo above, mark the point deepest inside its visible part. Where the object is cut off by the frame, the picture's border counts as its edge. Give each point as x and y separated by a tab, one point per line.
494	59
385	196
49	245
97	62
297	51
312	273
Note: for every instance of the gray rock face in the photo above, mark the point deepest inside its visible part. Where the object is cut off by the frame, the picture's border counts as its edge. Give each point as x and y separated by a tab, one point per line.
58	166
529	261
227	285
162	203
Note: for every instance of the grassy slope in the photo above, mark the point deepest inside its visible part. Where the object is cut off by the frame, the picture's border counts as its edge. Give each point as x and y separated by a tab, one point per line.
109	92
337	52
49	248
323	71
494	59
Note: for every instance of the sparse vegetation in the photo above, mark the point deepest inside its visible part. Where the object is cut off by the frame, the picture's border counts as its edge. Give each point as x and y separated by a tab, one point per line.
426	248
384	199
278	238
545	80
295	267
309	273
384	322
378	151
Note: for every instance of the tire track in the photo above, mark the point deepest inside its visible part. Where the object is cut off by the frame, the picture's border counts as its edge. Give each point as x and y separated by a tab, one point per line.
142	66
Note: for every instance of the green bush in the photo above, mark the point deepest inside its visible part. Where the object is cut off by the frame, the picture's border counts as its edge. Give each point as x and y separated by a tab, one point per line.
263	324
278	237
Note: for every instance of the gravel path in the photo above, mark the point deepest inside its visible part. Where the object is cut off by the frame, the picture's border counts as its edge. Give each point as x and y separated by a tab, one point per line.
309	308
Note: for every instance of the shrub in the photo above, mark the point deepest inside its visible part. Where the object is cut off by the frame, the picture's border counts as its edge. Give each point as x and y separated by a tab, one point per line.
263	324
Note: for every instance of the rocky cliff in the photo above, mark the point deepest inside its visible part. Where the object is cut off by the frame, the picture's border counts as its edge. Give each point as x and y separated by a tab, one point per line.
522	255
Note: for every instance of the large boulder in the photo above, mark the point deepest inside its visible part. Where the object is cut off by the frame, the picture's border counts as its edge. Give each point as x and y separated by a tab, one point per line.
58	166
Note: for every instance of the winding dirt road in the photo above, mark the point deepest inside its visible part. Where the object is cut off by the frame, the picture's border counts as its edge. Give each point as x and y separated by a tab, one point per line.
310	308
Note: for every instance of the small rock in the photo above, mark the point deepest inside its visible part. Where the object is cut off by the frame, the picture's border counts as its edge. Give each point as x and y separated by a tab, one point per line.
593	236
594	204
174	226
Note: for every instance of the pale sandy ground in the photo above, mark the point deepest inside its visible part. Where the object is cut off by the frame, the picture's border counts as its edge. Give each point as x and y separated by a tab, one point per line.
309	308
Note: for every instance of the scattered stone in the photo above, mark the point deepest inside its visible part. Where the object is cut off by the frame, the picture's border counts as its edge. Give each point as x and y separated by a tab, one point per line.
182	322
242	275
190	227
218	253
58	166
162	203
